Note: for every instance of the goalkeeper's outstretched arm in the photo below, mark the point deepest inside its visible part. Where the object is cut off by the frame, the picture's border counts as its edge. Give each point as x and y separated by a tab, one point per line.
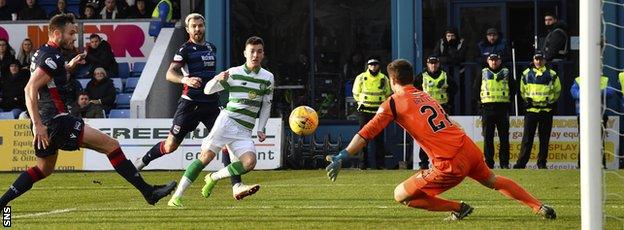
356	144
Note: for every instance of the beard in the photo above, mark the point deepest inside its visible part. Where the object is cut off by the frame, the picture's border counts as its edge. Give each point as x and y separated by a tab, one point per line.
65	44
198	37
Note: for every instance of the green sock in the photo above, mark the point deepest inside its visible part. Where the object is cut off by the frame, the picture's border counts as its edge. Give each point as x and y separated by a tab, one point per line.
236	168
191	173
233	169
193	170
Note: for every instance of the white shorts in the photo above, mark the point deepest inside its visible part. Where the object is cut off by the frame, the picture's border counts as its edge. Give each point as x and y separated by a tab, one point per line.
226	132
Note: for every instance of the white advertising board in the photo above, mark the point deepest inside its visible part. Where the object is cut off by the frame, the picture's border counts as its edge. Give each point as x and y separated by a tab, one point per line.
137	136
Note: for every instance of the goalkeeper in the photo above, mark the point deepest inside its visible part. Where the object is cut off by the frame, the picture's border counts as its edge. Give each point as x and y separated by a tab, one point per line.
454	155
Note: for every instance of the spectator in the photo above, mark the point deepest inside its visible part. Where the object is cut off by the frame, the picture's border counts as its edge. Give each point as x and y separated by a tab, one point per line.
555	45
451	51
6	56
89	12
5	11
26	53
139	10
101	90
13	89
72	89
96	4
61	8
85	109
111	10
100	54
31	11
492	44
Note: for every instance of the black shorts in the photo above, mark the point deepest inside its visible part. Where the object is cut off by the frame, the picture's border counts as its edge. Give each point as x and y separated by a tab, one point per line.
189	114
64	132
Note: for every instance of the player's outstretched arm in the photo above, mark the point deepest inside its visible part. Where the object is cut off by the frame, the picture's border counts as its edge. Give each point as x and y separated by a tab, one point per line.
356	144
370	130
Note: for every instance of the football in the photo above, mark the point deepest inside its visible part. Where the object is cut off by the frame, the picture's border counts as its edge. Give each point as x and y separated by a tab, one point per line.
303	120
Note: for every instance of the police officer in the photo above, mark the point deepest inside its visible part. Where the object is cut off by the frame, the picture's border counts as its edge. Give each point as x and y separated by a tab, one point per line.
370	89
163	17
440	87
496	90
540	88
605	90
163	11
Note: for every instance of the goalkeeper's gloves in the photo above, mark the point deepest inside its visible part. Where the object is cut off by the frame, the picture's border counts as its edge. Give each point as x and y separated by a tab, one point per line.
335	164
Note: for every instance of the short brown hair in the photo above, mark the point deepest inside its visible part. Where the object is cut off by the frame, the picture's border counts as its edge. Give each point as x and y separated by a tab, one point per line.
254	40
59	21
402	71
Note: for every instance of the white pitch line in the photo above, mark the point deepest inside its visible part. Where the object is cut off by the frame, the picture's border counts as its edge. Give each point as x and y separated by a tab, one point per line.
46	213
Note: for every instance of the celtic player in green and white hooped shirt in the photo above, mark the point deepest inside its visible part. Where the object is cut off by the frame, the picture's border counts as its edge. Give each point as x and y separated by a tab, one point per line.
250	95
250	92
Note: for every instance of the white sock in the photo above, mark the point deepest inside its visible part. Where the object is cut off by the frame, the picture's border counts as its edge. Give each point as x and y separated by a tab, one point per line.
222	173
184	183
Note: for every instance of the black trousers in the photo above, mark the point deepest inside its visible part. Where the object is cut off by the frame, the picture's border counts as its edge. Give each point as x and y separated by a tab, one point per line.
532	121
490	122
424	158
379	152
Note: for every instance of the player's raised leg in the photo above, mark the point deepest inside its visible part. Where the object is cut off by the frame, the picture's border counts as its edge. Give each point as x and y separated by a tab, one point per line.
98	141
25	181
247	163
481	173
158	150
513	190
239	190
190	174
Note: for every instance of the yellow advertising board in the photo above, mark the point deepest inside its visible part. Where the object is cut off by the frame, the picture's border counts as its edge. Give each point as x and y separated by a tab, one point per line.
17	152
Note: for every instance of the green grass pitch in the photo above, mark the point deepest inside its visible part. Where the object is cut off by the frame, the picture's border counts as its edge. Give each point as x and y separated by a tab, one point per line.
299	200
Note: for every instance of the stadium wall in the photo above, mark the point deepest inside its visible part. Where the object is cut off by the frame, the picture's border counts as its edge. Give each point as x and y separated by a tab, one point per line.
154	97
